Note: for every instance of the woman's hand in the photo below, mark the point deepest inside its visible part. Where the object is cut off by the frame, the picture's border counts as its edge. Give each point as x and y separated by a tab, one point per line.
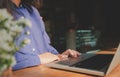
71	53
47	57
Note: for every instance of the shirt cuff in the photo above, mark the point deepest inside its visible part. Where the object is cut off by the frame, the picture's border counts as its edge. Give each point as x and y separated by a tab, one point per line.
30	61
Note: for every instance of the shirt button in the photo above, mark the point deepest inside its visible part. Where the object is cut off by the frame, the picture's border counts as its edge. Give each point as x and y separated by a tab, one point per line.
33	49
22	17
28	33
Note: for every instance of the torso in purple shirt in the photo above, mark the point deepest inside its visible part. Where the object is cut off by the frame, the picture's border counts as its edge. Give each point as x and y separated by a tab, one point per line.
39	40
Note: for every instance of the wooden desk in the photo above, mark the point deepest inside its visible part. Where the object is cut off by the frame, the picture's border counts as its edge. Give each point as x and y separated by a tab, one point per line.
43	71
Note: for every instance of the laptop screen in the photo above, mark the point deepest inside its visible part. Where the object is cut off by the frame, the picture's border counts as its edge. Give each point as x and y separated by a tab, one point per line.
97	62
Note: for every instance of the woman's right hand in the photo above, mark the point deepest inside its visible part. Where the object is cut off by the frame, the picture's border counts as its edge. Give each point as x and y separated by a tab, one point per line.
47	57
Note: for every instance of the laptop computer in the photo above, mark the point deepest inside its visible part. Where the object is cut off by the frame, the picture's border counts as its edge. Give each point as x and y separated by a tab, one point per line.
90	63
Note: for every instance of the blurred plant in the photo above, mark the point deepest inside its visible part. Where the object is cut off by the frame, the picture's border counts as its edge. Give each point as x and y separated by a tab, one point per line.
10	29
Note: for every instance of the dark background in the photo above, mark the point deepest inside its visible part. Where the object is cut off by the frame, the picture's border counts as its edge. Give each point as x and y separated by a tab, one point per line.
102	14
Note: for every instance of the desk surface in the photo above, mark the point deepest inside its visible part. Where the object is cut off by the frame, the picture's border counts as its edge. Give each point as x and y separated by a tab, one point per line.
43	71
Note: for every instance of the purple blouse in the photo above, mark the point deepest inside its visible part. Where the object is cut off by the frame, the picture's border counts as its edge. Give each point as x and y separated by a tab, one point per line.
39	40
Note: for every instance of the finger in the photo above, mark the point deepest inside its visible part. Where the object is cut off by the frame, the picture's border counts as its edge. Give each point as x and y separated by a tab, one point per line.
72	53
75	53
67	52
78	53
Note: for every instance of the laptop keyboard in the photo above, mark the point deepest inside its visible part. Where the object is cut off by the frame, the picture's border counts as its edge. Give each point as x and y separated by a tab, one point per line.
72	61
69	61
89	61
96	62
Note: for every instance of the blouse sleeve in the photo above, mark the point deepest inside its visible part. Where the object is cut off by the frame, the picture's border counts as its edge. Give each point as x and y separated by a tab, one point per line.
25	60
